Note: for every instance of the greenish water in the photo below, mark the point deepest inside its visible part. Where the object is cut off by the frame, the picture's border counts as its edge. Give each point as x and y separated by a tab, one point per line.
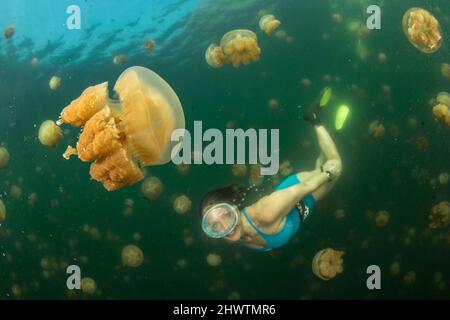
378	174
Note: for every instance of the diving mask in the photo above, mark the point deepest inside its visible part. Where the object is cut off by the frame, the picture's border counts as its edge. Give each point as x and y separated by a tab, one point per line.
220	220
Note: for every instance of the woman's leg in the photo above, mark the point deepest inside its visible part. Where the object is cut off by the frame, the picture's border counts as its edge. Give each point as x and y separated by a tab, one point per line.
329	151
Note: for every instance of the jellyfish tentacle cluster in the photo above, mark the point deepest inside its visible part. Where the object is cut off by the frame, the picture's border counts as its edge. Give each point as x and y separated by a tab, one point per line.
116	135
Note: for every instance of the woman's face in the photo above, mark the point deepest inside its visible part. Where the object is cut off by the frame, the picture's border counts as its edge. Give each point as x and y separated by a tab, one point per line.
222	221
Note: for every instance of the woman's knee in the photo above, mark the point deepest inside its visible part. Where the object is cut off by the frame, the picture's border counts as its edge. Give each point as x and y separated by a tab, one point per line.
335	166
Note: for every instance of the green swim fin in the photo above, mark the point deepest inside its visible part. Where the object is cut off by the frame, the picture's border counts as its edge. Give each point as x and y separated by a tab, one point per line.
325	96
341	117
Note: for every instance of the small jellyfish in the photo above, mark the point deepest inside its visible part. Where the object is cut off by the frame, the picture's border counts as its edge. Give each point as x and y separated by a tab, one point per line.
337	18
120	59
149	45
240	47
32	199
50	134
215	56
394	269
382	218
183	168
440	215
2	212
182	204
214	260
54	83
422	30
421	143
382	57
15	192
132	256
443	178
4	157
443	98
441	114
281	35
269	24
239	170
327	263
273	104
409	278
182	264
305	83
286	168
88	285
376	129
152	188
120	137
35	62
9	32
445	70
339	214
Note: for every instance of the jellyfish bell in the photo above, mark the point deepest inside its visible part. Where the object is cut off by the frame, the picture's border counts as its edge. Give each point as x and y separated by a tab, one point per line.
88	285
443	98
132	256
269	24
441	114
49	134
440	215
215	57
445	70
182	204
4	157
214	260
376	129
9	32
273	104
120	59
240	46
382	218
149	45
118	135
55	83
152	188
327	263
35	62
422	30
443	178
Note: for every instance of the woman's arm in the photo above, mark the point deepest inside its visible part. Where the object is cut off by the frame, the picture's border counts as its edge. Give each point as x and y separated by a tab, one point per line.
278	204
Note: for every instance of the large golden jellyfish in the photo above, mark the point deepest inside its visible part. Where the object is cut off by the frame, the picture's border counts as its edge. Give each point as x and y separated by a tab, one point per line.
4	157
422	29
269	24
118	134
240	46
327	263
440	215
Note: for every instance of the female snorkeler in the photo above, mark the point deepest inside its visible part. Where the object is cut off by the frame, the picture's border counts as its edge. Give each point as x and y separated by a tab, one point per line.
272	221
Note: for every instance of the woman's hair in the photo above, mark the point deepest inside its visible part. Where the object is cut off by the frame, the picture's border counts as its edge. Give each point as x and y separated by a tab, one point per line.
230	194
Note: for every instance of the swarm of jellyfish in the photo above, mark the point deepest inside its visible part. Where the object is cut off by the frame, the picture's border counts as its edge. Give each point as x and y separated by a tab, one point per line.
440	215
422	29
327	263
117	134
49	133
269	24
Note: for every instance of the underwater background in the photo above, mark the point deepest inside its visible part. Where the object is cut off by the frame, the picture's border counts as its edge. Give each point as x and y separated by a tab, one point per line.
62	217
